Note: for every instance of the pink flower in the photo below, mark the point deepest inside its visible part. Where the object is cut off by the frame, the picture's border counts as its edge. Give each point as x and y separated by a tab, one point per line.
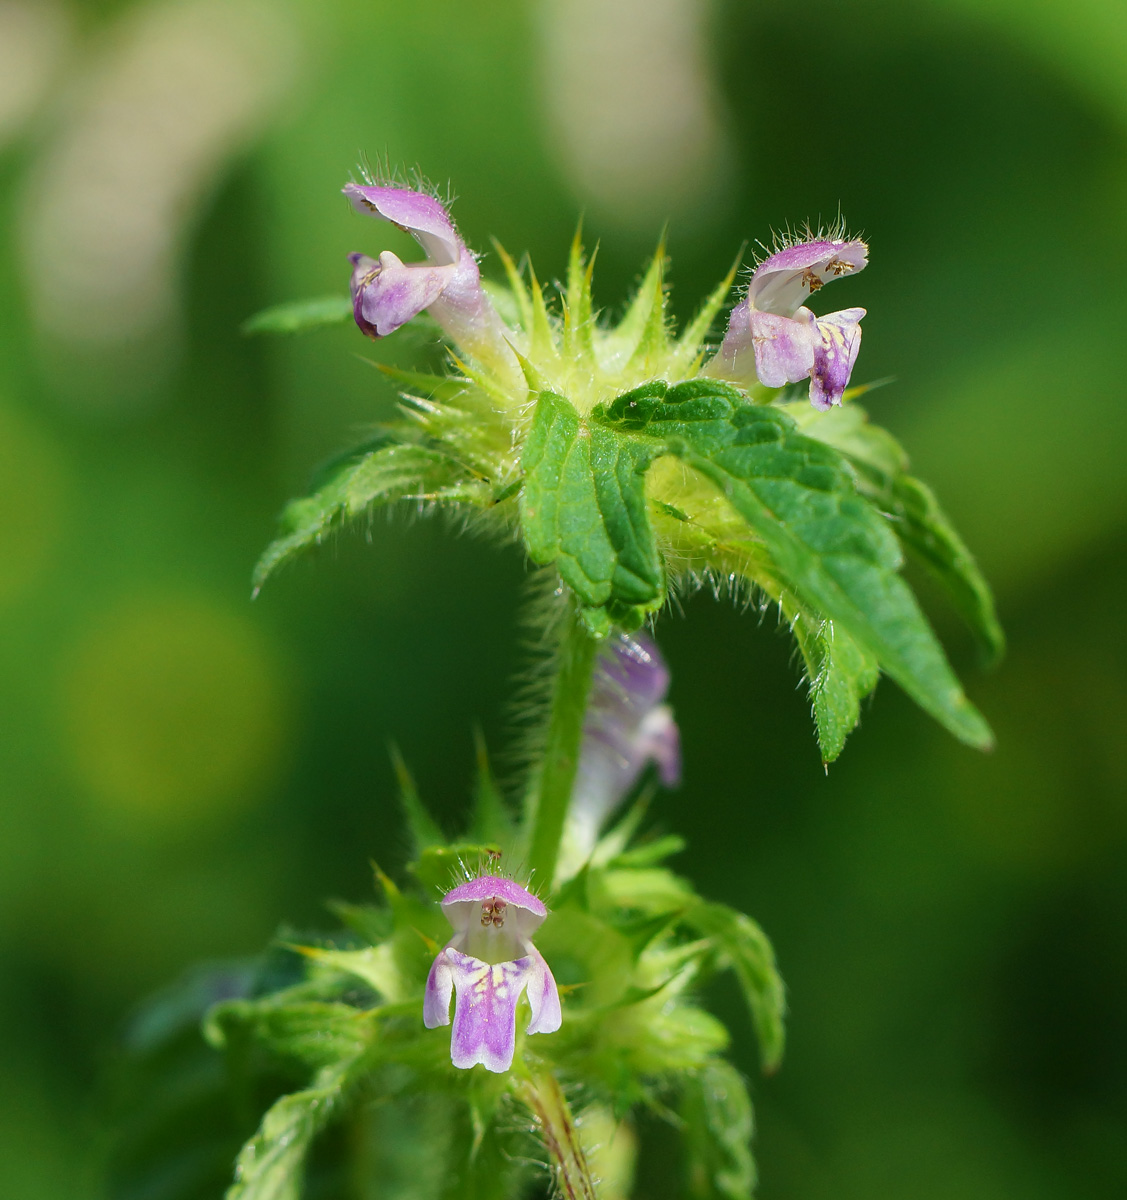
387	292
488	963
785	340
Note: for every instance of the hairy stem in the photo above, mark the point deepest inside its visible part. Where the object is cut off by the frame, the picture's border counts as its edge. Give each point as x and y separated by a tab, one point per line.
556	1125
556	777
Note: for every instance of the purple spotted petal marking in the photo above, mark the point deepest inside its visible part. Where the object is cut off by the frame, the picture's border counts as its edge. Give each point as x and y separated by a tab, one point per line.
835	352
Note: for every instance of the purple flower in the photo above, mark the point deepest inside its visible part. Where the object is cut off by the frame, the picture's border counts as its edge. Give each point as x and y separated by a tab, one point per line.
787	343
627	728
487	964
386	292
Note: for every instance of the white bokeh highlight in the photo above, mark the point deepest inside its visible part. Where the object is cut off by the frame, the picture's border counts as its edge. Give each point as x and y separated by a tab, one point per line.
143	136
640	131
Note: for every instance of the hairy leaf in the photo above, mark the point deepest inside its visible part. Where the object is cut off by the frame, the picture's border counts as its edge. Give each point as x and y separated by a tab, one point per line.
927	532
917	518
392	471
744	947
841	673
583	508
718	1125
375	965
824	540
916	515
315	1032
271	1165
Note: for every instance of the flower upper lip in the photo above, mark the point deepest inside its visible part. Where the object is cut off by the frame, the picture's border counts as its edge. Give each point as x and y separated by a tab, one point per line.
785	280
416	213
486	887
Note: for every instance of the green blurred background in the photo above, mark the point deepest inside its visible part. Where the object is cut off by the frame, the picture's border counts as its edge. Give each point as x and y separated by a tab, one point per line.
181	770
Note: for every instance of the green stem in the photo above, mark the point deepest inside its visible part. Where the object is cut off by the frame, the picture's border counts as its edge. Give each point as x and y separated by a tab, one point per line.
556	1125
575	664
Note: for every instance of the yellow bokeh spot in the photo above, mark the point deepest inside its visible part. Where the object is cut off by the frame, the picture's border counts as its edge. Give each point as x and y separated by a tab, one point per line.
32	490
176	710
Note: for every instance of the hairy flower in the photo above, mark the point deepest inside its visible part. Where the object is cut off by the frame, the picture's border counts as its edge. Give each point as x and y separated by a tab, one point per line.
772	331
627	728
488	963
386	292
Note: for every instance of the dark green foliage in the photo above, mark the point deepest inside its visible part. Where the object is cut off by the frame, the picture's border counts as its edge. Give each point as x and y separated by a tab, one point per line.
182	1109
919	521
392	471
718	1124
741	945
824	542
583	509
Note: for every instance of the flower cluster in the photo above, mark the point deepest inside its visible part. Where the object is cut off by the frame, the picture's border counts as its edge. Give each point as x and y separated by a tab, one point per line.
772	336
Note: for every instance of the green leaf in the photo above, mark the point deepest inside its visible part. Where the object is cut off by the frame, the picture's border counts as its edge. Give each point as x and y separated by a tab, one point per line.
271	1165
847	428
375	965
841	674
392	471
650	854
583	508
926	531
680	1037
825	541
839	671
744	947
917	518
717	1128
315	1032
650	890
298	315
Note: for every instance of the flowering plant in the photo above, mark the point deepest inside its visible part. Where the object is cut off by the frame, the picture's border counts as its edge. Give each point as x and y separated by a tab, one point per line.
628	461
